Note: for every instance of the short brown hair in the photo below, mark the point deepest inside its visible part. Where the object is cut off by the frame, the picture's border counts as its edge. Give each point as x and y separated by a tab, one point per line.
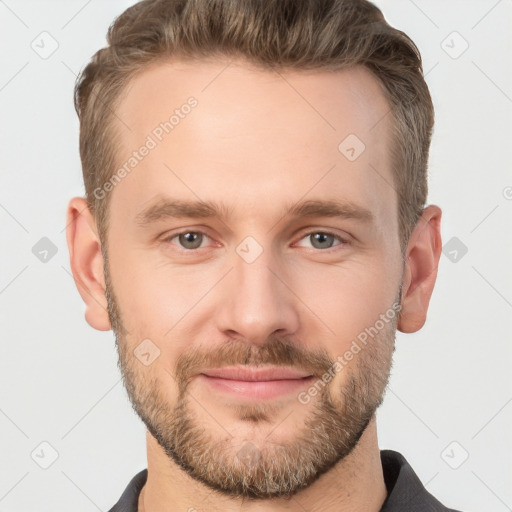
283	34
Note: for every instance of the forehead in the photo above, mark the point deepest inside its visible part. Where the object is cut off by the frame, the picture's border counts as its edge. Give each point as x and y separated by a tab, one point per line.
254	135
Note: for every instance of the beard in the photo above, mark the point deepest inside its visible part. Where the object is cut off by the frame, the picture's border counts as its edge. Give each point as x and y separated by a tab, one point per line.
248	468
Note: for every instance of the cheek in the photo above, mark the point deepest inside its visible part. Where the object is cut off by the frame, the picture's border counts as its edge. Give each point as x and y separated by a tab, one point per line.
345	299
155	298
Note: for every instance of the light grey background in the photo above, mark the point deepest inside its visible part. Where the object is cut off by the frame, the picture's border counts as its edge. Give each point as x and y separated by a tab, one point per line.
59	380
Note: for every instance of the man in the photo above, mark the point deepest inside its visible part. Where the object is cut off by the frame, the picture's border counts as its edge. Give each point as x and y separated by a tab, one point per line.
255	232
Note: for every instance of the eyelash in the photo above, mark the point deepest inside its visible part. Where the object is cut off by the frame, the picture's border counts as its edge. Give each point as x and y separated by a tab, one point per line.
342	241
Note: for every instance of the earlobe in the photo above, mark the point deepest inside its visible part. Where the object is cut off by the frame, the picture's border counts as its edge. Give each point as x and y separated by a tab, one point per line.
420	273
86	262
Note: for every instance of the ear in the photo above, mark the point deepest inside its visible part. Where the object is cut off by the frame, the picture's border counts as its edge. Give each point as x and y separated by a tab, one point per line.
87	262
420	272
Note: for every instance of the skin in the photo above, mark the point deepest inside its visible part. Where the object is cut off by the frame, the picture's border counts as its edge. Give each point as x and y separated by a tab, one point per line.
255	144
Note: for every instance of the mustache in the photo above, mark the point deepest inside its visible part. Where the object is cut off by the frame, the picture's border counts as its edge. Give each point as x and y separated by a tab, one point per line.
276	352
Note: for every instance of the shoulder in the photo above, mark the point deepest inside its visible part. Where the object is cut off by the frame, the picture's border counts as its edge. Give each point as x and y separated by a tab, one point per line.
405	490
128	502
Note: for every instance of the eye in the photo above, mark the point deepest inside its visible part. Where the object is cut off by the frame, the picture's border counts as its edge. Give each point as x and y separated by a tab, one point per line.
192	240
188	240
323	239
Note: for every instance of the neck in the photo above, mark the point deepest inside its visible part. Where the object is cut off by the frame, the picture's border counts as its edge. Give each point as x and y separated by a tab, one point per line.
356	483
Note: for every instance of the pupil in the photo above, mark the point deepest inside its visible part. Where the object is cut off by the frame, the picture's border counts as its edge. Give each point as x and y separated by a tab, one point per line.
190	240
321	238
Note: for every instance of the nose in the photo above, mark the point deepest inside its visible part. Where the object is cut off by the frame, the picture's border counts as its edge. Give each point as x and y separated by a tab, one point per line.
257	301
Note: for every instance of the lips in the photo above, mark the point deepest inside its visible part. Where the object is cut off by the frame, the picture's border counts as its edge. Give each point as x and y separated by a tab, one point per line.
256	374
243	383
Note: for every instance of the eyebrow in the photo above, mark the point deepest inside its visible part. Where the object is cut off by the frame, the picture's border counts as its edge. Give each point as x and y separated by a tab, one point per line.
166	208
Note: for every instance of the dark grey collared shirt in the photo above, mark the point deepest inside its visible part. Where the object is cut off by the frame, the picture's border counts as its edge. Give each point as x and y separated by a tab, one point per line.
406	493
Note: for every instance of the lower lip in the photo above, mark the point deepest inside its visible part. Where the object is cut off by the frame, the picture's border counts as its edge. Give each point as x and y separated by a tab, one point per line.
256	389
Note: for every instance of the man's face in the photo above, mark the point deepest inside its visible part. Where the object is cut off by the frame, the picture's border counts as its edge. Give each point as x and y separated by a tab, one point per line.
255	286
